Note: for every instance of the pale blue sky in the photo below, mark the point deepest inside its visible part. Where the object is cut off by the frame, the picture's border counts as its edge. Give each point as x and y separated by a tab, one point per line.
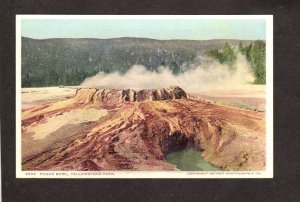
193	29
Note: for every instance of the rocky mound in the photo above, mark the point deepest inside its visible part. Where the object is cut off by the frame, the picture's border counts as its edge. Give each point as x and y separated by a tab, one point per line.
139	131
93	95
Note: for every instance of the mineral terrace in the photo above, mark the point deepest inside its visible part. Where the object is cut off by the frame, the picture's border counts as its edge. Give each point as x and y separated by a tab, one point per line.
110	129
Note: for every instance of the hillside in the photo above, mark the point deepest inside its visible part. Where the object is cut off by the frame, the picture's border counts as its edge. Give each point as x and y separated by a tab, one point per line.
53	62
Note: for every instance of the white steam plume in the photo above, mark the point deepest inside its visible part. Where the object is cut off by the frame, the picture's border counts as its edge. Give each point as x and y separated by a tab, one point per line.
209	75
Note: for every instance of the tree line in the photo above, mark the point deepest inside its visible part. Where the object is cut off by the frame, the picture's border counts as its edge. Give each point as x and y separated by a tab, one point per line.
254	52
54	62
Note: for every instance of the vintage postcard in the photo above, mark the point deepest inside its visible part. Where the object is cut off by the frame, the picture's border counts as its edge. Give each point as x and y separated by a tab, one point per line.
172	96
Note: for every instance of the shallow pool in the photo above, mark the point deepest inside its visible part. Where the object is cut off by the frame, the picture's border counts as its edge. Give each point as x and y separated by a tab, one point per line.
189	160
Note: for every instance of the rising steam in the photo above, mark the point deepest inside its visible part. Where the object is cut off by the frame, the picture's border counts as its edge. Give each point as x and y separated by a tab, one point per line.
208	75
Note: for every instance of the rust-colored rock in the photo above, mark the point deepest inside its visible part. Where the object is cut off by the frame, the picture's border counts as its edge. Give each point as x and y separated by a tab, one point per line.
138	130
92	95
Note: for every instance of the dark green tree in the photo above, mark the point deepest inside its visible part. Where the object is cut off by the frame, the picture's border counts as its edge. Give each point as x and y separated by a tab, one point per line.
258	62
241	48
228	54
175	68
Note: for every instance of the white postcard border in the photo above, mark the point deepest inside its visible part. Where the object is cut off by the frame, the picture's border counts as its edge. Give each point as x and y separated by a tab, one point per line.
268	173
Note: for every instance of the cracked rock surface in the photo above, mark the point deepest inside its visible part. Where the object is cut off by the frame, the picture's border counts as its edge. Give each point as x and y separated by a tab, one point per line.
116	129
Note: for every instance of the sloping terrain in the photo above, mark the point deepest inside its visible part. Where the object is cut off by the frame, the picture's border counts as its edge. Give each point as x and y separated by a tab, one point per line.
105	129
54	62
